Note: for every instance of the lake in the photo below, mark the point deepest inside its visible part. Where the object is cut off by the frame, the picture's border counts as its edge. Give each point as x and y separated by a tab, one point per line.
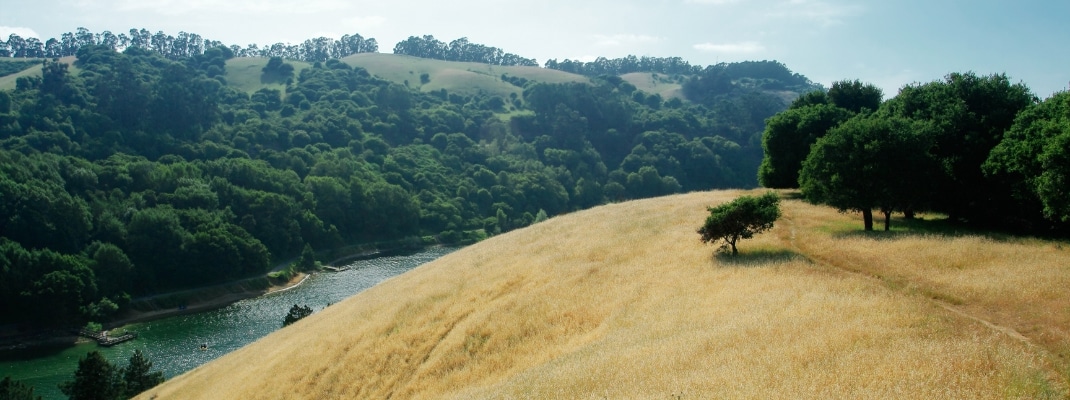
173	343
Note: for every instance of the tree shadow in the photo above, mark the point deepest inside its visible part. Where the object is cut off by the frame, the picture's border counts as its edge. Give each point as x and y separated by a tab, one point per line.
756	258
902	228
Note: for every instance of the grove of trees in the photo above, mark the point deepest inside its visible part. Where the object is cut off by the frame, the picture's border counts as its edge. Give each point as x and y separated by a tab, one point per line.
459	50
182	46
980	149
142	171
98	379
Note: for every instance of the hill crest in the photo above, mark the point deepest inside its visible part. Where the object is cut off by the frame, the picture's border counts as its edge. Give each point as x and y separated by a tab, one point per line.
623	301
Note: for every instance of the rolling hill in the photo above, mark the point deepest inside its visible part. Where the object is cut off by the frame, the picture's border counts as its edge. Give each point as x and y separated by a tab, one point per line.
8	82
456	77
623	301
654	83
463	78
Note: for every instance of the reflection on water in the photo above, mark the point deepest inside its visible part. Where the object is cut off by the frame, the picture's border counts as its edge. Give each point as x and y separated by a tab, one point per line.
174	344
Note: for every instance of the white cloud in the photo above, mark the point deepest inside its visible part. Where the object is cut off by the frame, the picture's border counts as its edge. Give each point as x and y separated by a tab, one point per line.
734	48
6	31
621	39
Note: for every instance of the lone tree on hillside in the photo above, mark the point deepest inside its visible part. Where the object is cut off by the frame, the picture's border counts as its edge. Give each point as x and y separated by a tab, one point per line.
741	218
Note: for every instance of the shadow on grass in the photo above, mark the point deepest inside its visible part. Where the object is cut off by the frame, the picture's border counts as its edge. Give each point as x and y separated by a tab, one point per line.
756	258
902	228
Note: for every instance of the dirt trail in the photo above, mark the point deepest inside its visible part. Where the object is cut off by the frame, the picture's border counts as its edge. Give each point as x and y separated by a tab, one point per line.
1010	332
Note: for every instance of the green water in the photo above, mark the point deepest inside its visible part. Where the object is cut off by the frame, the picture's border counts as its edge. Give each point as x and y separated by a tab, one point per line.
173	344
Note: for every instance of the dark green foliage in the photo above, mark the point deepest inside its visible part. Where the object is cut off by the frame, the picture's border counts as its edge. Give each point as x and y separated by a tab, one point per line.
203	53
855	96
741	218
308	259
138	375
458	50
295	314
277	71
1034	156
968	115
16	390
787	139
870	161
11	67
144	173
95	379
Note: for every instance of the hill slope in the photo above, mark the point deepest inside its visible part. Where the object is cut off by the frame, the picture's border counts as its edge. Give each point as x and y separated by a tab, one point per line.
466	78
623	301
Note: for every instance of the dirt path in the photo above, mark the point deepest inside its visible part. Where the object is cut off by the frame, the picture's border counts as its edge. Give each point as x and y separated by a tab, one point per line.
1010	332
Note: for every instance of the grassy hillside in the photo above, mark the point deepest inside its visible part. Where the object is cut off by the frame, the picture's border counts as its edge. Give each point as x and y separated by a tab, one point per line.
244	73
655	83
7	82
456	77
623	301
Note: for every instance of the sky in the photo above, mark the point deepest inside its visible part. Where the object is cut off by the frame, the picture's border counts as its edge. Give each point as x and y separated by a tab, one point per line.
887	43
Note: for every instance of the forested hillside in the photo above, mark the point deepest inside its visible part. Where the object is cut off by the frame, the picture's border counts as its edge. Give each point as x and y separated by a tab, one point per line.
135	172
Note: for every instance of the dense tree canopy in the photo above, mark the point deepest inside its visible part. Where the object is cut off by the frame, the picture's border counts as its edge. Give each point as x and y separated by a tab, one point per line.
868	162
977	148
142	171
1034	156
459	50
968	115
182	46
789	135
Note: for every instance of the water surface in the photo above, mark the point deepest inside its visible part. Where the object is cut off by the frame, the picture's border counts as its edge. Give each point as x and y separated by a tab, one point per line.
173	343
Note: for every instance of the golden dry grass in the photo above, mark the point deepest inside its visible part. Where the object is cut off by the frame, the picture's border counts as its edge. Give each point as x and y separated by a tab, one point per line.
623	301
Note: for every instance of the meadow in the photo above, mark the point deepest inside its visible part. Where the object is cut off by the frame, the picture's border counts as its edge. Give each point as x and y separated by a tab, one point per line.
465	78
624	301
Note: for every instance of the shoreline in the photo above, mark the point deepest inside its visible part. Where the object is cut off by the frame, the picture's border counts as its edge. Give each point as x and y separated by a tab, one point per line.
61	338
212	303
192	301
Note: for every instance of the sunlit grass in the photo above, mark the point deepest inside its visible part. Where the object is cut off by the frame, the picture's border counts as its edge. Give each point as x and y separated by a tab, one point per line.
654	83
9	82
243	73
624	301
462	78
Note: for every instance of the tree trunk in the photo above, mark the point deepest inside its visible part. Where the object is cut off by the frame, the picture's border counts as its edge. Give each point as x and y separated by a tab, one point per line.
887	220
734	251
867	219
908	214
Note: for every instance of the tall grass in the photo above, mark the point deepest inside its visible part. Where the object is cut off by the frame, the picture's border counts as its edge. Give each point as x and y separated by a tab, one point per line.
623	301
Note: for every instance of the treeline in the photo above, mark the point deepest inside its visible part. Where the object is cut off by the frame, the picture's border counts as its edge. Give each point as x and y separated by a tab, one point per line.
459	50
626	65
980	149
182	46
142	174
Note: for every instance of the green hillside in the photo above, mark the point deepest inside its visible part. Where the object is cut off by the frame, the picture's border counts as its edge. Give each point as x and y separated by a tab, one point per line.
7	82
656	83
456	77
244	74
463	78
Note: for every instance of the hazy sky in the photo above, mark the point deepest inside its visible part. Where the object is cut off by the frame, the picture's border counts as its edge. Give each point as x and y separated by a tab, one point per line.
887	43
